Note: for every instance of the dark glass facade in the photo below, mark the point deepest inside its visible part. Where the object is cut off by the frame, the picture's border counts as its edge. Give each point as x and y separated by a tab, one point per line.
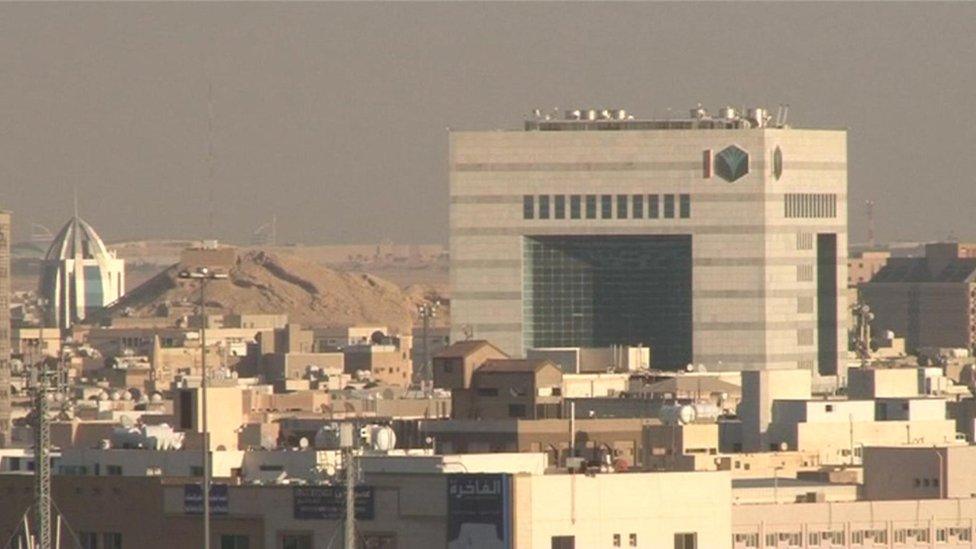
827	304
93	289
596	291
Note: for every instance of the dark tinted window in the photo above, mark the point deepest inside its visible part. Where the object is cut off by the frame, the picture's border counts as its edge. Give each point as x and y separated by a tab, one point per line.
668	206
559	206
563	542
638	206
528	207
621	206
684	206
574	206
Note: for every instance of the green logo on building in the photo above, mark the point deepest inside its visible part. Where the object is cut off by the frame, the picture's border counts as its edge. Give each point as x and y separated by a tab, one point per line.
731	163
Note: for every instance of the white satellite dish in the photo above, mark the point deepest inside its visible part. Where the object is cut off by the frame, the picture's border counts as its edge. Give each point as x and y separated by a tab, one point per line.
303	443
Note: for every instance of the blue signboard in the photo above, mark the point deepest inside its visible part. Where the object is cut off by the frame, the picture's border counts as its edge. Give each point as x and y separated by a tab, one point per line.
479	511
193	499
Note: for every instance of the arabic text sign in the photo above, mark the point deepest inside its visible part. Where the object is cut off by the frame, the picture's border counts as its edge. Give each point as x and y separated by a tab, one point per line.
329	502
193	499
476	502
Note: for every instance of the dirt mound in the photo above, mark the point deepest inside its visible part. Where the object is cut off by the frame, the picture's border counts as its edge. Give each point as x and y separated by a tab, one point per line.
263	282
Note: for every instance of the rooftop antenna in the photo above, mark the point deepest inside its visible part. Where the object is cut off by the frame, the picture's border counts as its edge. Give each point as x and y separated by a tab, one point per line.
46	386
210	158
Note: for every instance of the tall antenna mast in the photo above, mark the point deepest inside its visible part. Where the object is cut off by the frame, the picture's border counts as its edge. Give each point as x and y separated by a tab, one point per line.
42	458
869	211
210	159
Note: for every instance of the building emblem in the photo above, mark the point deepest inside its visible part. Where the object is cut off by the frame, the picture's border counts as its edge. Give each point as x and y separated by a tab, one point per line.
731	163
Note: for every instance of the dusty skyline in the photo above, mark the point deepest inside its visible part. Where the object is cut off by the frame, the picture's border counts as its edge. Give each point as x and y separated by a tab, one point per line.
334	116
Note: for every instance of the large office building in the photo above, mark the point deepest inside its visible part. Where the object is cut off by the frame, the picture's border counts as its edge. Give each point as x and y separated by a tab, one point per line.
716	240
79	275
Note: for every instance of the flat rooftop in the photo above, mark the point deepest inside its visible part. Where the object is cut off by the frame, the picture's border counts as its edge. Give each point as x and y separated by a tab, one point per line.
727	118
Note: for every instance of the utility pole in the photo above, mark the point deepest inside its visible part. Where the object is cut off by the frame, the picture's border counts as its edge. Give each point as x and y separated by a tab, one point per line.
427	311
350	527
204	275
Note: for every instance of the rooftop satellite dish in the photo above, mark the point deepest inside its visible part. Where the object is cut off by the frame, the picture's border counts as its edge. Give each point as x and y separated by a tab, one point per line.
303	443
690	368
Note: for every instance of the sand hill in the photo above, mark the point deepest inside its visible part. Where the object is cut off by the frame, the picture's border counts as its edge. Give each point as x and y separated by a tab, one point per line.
309	293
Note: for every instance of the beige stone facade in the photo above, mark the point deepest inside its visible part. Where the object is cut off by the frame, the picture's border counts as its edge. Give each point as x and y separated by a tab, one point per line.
754	240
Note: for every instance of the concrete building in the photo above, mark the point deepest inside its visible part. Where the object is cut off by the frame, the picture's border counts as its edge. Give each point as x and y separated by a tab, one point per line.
854	524
406	502
778	412
594	438
868	383
863	265
576	360
917	472
715	240
931	300
25	340
387	362
759	391
511	388
455	365
79	275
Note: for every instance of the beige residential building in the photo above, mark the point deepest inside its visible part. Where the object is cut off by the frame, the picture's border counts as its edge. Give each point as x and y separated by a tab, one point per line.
715	240
905	524
511	388
777	412
864	265
455	364
919	472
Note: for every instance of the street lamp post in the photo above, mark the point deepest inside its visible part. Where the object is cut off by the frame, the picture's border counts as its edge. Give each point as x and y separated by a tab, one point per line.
204	275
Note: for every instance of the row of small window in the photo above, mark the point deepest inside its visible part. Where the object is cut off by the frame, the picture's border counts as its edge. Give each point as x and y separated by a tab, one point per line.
682	540
295	541
809	205
617	541
546	206
858	537
103	540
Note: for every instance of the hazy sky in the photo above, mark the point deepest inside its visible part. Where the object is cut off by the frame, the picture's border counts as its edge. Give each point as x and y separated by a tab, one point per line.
334	116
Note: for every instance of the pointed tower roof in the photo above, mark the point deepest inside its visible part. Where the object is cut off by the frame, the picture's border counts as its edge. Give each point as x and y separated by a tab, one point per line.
76	240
